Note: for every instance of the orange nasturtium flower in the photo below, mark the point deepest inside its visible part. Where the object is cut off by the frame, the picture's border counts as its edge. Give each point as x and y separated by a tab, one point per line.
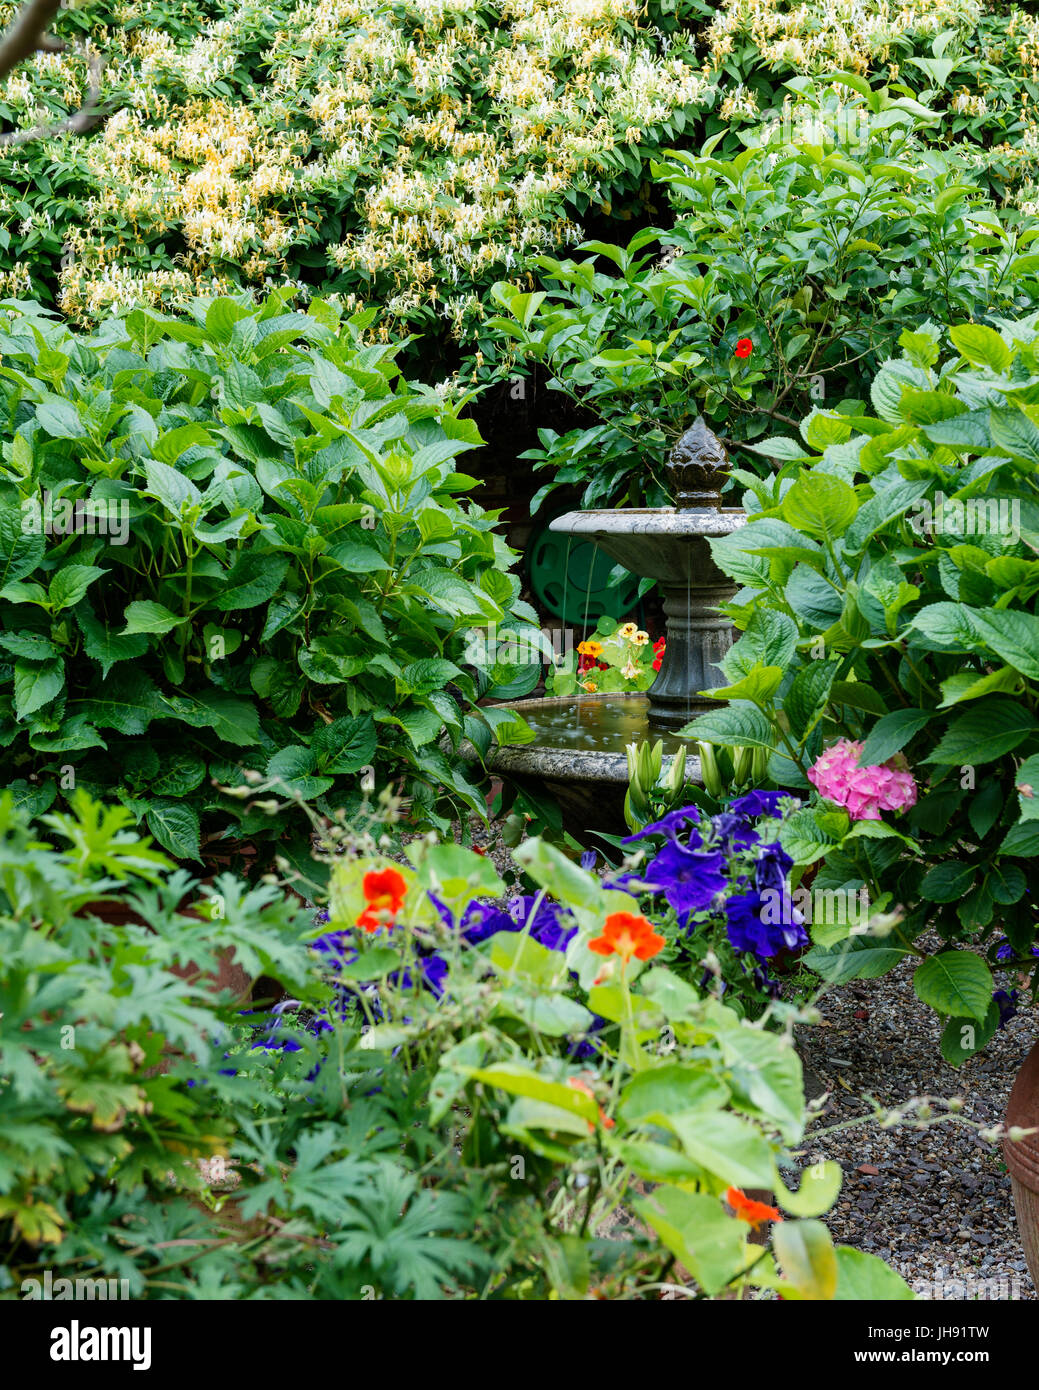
589	648
627	935
384	892
578	1083
754	1213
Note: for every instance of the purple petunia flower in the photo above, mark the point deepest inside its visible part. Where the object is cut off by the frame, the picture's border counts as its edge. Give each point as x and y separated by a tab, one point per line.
480	921
765	982
690	881
670	825
552	926
754	804
1006	1003
752	925
586	1047
771	868
1004	950
735	832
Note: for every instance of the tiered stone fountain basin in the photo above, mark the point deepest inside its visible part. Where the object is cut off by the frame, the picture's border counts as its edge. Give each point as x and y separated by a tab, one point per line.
578	756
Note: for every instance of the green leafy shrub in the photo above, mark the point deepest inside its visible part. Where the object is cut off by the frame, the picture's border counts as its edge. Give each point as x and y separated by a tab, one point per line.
375	1134
889	582
788	276
235	544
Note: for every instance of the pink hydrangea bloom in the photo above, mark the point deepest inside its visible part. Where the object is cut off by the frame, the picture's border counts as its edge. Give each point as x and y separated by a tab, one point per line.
863	791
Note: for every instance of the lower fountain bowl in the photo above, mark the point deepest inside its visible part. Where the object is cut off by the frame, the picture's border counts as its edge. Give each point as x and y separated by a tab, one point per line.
578	758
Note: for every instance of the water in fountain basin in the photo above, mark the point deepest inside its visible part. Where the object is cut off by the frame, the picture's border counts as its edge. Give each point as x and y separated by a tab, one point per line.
605	725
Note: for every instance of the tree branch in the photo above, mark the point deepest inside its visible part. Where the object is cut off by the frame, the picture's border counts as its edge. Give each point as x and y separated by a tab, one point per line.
80	121
28	35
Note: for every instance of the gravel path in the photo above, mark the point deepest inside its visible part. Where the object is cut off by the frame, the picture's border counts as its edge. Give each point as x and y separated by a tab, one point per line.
934	1203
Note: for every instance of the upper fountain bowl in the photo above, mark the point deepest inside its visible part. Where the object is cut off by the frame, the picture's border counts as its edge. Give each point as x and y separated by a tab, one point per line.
655	541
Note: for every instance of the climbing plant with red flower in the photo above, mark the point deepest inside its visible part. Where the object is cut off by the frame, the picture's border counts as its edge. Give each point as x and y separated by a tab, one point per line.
744	347
625	934
384	894
746	1209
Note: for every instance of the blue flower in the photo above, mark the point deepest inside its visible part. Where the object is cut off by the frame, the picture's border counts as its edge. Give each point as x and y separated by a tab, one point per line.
689	881
764	981
735	831
433	970
482	920
585	1047
339	946
478	922
771	868
552	926
1004	950
670	825
752	926
755	804
1006	1004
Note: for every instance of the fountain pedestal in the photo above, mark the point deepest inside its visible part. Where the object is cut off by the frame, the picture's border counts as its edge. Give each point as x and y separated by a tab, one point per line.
577	755
670	546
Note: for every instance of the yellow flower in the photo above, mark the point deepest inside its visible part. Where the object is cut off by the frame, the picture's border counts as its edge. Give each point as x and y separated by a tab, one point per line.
628	631
640	639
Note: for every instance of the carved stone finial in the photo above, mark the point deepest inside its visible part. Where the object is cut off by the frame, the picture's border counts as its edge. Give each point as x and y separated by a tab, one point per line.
696	467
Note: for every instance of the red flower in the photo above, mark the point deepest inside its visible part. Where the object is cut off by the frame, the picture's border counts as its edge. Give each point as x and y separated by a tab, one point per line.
658	663
744	347
579	1084
746	1209
384	893
627	935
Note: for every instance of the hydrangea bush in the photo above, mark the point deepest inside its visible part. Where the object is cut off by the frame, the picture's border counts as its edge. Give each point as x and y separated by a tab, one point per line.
237	543
888	657
786	278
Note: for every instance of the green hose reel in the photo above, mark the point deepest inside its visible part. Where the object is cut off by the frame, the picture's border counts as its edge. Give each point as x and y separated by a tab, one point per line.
570	577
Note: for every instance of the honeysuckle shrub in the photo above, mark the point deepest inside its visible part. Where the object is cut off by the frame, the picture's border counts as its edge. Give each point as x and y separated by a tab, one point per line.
788	275
412	1120
391	153
237	543
975	64
889	658
310	143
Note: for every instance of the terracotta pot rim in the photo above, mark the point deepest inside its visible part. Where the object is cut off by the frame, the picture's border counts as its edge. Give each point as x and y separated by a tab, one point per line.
1022	1157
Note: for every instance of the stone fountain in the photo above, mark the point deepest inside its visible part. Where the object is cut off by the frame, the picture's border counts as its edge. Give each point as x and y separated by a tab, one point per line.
578	755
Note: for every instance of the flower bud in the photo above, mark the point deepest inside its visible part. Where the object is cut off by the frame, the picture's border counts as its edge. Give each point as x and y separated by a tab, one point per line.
742	765
759	766
709	773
